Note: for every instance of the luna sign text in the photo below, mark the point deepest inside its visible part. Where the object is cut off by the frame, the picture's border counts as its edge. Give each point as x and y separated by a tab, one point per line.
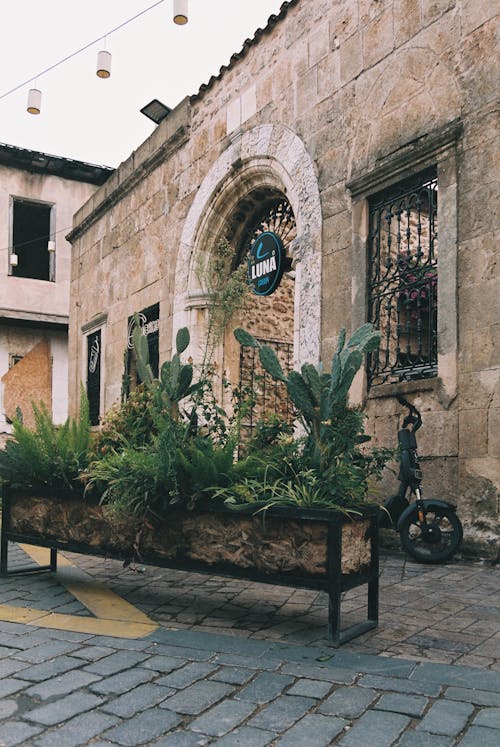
266	263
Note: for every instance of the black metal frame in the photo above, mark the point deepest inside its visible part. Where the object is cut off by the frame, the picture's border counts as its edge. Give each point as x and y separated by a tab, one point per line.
403	279
334	582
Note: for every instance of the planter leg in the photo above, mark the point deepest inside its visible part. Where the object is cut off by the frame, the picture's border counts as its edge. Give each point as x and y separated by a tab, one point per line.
4	555
334	582
53	559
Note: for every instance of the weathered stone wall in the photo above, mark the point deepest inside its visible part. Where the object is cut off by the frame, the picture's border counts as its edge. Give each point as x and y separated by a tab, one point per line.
372	92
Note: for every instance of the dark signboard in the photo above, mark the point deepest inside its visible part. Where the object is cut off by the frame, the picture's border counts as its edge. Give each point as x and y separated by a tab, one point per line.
266	263
94	375
149	320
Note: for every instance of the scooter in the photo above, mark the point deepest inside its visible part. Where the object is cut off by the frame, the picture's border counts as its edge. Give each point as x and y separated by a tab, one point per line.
430	529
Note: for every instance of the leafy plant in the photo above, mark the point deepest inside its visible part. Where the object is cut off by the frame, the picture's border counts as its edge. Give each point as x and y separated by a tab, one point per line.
331	469
49	456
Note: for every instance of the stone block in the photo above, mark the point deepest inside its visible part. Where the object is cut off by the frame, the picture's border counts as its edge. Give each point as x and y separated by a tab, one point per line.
307	91
348	702
446	717
319	44
494	432
329	75
475	14
434	9
378	39
439	436
406	21
351	58
375	728
282	713
473	434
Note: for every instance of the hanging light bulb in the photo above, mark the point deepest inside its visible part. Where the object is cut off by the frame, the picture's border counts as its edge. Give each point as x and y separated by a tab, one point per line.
51	246
34	101
103	64
180	12
13	260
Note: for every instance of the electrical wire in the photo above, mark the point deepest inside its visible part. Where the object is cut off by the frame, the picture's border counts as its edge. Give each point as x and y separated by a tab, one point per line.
78	51
36	238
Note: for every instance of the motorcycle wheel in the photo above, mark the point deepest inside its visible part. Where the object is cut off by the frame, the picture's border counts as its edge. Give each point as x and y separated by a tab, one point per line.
433	542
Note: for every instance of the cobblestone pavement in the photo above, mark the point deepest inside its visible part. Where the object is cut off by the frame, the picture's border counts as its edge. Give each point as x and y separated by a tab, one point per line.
248	664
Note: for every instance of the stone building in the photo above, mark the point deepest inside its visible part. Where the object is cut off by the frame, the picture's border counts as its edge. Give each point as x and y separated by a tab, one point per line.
39	194
364	133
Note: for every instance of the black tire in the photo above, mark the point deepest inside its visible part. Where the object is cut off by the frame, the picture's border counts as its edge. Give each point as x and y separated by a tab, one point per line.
444	535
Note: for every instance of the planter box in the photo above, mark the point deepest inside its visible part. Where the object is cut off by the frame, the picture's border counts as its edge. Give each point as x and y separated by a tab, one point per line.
313	549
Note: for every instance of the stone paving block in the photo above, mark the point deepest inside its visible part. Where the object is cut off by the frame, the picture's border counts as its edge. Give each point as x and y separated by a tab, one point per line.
145	727
375	729
92	653
123	681
10	686
7	708
424	739
130	644
467	677
409	705
282	713
480	736
18	732
311	688
188	674
224	717
78	731
180	739
11	666
312	729
348	702
48	669
179	652
116	662
196	698
164	664
329	674
265	687
138	699
246	661
479	697
61	685
233	675
446	717
66	635
246	736
489	717
63	709
400	685
46	650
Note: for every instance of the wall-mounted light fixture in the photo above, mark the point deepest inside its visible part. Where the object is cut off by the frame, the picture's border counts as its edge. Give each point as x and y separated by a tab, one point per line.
103	64
180	12
34	101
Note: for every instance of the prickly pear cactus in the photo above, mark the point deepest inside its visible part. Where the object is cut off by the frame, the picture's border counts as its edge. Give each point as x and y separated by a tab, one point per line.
320	398
175	381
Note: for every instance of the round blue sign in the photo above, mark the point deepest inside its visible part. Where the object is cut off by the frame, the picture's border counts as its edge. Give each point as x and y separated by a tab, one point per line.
266	263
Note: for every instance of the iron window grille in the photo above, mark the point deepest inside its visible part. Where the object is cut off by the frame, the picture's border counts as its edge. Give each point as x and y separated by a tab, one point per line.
403	280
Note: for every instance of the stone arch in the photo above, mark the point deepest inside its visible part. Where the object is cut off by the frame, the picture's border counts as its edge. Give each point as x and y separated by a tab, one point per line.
274	158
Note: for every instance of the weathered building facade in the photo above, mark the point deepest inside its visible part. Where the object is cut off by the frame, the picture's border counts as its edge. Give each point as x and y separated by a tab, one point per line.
39	194
366	131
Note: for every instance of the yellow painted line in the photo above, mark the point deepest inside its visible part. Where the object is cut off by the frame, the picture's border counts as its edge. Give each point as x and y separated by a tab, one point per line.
99	600
75	623
113	615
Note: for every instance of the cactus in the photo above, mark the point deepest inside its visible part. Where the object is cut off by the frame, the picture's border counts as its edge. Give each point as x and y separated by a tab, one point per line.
175	381
321	398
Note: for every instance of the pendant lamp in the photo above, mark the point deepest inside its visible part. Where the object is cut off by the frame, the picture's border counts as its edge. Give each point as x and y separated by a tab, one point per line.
180	12
103	64
34	101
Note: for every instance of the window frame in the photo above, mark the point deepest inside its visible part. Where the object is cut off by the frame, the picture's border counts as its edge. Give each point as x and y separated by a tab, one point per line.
51	237
439	149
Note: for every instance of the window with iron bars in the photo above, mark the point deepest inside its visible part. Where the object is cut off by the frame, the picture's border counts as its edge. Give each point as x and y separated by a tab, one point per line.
403	280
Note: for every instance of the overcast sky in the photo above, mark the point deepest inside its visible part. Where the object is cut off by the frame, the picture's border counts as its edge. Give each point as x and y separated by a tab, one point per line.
97	120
